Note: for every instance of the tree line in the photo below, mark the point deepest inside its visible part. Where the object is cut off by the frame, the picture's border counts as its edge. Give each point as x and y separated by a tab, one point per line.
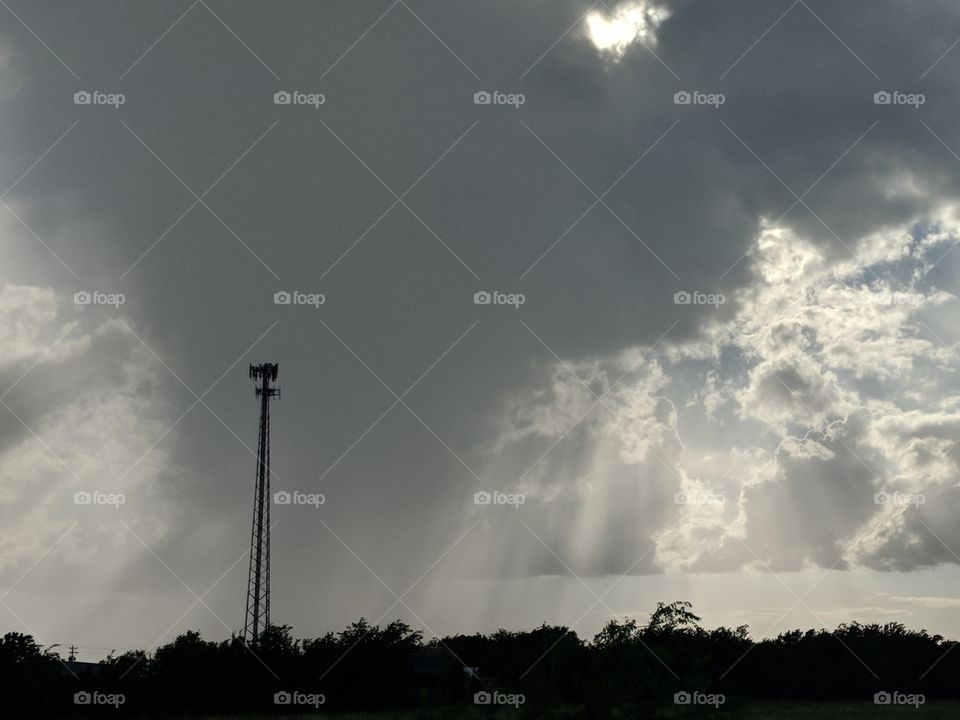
628	666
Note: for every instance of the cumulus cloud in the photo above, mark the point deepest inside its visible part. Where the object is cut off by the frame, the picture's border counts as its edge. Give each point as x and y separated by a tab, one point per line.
850	406
82	412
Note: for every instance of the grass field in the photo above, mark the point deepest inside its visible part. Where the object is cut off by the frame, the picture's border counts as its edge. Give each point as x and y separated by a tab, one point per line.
816	711
747	711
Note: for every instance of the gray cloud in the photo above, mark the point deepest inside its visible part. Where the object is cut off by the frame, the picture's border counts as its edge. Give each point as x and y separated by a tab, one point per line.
298	200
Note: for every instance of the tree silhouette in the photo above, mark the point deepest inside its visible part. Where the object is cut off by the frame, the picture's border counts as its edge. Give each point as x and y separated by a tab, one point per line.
628	668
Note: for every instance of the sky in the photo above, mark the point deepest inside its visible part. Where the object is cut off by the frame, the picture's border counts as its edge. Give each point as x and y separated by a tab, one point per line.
672	285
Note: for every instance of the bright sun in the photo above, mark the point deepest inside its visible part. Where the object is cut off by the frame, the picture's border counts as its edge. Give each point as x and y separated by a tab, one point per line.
614	32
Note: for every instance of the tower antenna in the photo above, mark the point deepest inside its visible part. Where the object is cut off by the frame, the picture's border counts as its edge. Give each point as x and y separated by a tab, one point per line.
257	618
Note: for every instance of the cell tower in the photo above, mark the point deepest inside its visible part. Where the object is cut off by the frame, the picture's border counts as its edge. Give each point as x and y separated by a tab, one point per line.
258	580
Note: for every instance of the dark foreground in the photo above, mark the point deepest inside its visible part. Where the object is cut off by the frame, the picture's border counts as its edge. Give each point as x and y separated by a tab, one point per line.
746	711
671	667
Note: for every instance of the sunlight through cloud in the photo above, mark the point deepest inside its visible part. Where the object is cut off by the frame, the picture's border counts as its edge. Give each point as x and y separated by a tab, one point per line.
614	32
